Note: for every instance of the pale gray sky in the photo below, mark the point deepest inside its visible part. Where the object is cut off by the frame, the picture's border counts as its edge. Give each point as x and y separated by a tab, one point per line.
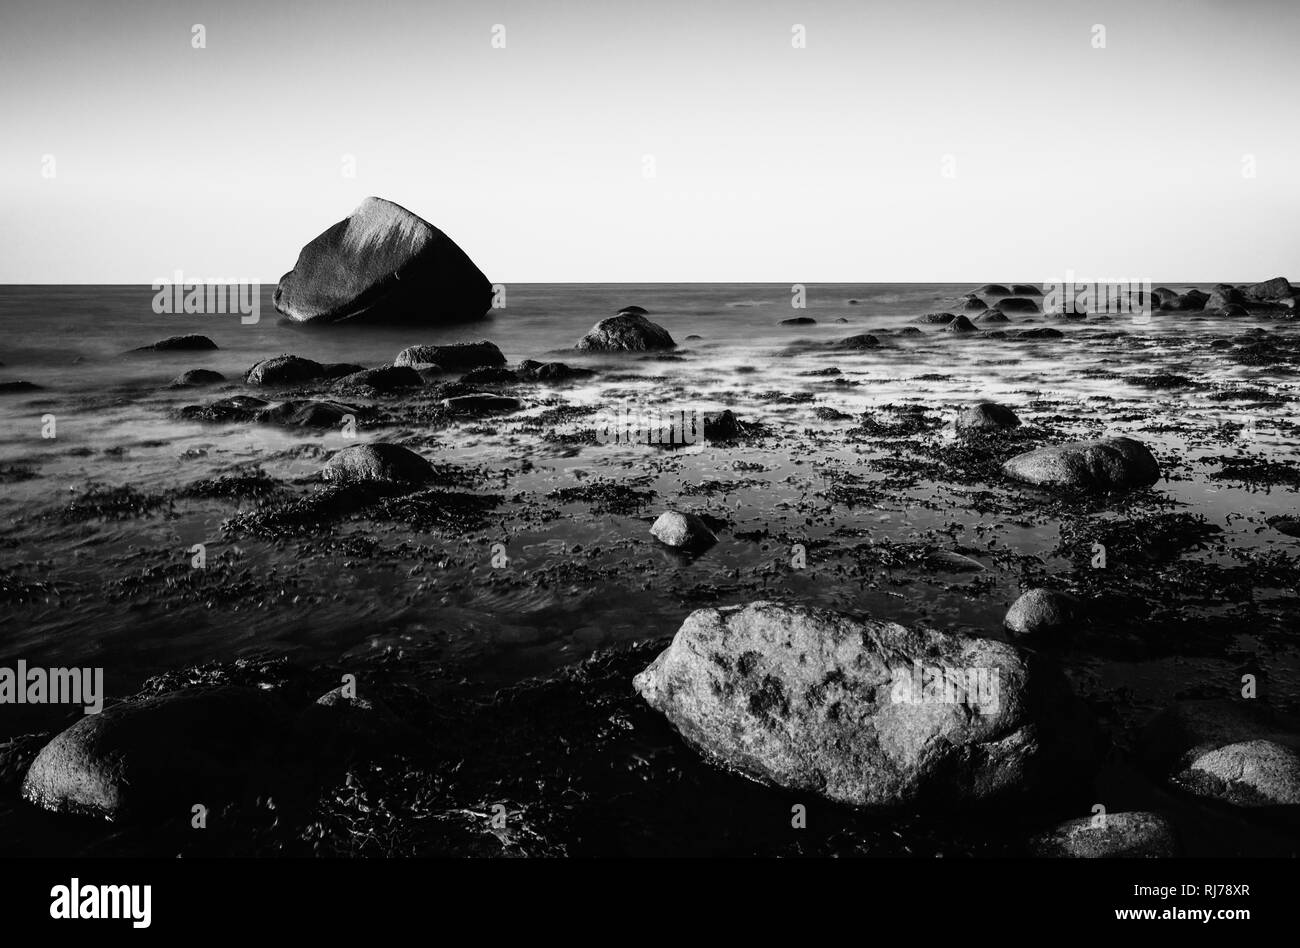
771	163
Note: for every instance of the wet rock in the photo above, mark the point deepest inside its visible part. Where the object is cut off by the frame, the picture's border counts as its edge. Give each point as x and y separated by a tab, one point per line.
187	343
490	375
480	403
682	531
198	377
635	310
306	413
1246	774
1134	834
531	371
1026	289
986	416
1288	525
1224	295
16	756
383	264
1018	304
386	378
993	289
1039	611
960	324
284	370
235	408
951	561
721	426
693	336
1234	309
799	321
909	331
626	332
973	304
1237	751
935	319
1105	464
18	385
860	341
864	712
1039	332
992	316
154	758
385	463
459	357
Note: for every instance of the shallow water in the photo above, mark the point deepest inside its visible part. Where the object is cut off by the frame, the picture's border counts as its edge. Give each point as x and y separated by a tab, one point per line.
97	592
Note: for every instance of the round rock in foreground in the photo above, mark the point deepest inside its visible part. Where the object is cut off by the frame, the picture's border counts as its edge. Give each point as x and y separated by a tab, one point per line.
1136	834
386	463
682	531
628	332
1247	774
1105	464
861	711
1039	611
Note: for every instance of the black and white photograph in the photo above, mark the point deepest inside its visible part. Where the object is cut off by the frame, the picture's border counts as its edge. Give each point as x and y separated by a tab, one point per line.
852	441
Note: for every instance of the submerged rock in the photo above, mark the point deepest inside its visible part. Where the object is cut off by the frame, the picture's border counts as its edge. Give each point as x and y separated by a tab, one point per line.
187	343
935	319
235	408
635	310
385	378
386	463
1017	304
531	371
799	321
864	712
480	403
1039	332
284	370
683	531
1041	610
986	416
155	757
459	357
992	316
1105	464
993	289
1134	834
960	324
627	332
306	413
197	377
18	385
1026	289
862	340
383	264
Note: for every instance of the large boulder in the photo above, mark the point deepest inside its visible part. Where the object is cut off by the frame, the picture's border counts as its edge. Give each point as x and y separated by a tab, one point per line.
457	357
629	332
1224	295
385	463
154	757
864	712
1274	289
383	264
1105	464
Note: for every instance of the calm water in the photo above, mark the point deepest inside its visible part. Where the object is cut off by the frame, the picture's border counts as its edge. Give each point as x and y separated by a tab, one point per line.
116	426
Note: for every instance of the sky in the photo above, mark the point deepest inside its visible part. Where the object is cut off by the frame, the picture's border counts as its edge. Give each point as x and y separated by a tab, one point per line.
918	141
